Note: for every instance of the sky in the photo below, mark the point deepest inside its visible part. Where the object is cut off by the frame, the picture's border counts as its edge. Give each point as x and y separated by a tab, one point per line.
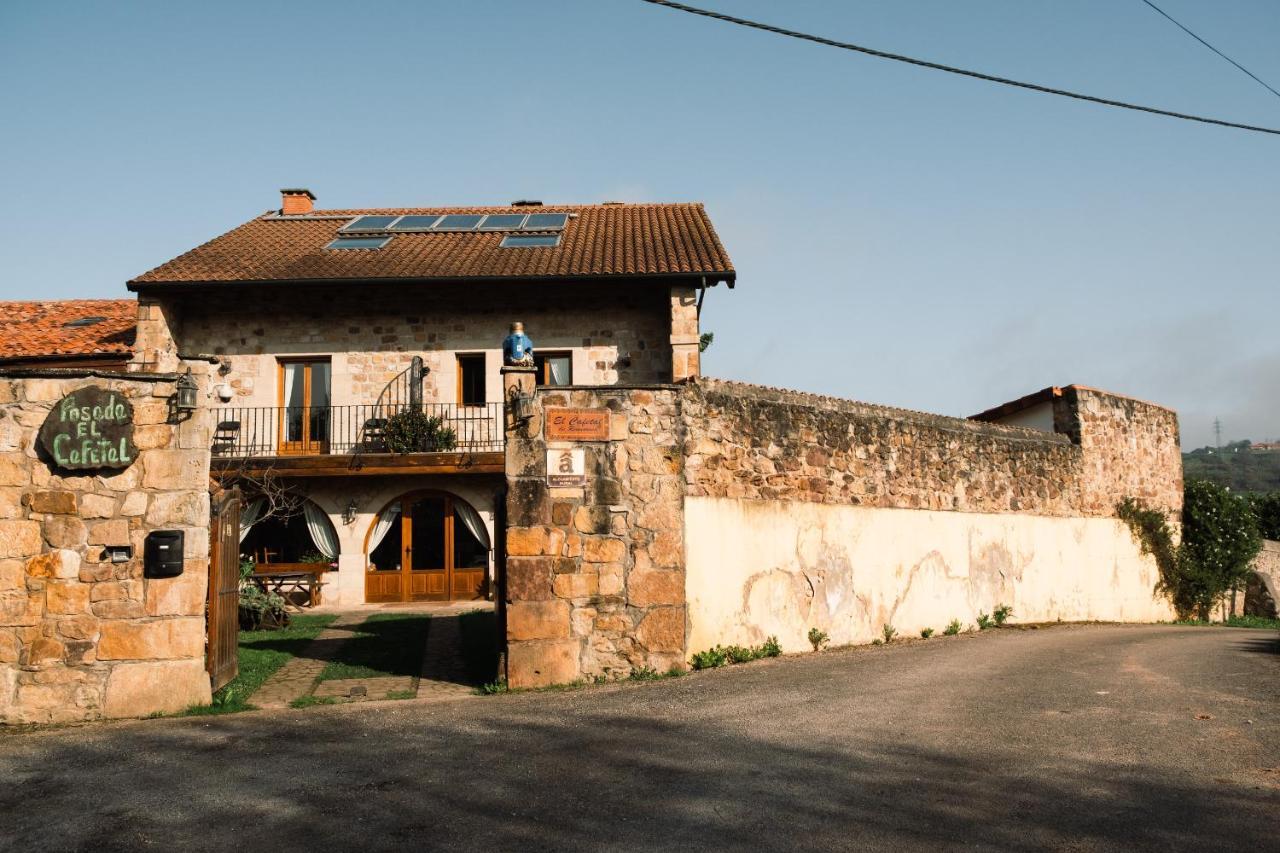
901	236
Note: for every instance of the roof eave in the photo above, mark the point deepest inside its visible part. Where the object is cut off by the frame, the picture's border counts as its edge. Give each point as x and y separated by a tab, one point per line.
710	277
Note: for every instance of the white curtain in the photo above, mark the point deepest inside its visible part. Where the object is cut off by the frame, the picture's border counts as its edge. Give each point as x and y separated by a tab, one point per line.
290	373
321	530
559	368
249	516
471	519
383	526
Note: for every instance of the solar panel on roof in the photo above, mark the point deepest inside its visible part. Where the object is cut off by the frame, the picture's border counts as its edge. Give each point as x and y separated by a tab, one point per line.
545	221
459	222
502	222
368	223
371	242
530	241
414	223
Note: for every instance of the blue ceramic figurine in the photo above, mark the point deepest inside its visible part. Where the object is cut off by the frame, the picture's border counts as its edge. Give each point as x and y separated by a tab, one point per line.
517	349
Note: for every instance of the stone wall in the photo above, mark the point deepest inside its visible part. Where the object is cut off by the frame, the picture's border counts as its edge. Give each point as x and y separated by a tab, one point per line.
614	332
1263	590
719	512
82	638
595	574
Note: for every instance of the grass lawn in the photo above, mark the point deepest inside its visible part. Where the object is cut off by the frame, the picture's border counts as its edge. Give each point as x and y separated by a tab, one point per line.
261	654
384	644
1237	622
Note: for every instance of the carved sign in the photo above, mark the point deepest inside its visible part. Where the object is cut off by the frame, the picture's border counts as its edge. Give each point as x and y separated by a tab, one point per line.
566	467
90	429
577	425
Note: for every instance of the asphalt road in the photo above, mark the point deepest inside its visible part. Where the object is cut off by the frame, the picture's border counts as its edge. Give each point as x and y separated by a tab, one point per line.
1074	737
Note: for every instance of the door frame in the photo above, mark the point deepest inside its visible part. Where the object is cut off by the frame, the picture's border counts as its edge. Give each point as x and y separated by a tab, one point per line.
406	572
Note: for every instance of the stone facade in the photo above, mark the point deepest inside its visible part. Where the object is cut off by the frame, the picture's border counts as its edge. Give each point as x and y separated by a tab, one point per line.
595	574
614	333
82	638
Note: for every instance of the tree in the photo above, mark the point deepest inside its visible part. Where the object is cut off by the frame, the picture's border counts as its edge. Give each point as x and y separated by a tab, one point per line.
1220	540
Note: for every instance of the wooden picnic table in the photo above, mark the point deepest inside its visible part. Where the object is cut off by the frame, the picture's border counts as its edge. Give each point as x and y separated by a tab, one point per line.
285	583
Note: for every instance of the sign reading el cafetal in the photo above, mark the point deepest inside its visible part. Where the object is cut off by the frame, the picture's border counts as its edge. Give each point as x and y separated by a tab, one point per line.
577	425
90	429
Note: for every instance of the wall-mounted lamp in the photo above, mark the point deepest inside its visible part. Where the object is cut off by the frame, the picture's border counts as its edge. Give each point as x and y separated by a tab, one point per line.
349	512
521	406
184	399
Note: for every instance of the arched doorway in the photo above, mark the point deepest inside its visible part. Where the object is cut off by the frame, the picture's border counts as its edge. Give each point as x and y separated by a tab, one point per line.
427	546
301	538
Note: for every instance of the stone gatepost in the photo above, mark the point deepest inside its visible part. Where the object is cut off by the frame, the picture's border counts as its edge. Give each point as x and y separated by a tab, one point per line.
595	552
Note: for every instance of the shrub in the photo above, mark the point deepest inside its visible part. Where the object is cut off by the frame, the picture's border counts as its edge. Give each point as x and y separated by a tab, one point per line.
1266	511
817	638
953	628
926	632
984	622
414	431
1002	613
722	655
889	633
771	648
710	659
1220	539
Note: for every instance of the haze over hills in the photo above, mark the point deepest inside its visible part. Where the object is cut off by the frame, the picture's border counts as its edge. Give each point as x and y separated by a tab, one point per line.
1239	466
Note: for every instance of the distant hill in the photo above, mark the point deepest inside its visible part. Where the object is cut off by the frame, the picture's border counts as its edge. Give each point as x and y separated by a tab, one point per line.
1237	466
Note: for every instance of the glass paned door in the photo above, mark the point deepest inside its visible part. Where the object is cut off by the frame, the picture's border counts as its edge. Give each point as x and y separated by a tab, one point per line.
427	548
304	400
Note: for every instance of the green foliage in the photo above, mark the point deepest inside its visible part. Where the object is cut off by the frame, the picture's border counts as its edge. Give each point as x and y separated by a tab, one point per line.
314	557
1266	511
414	431
492	688
402	694
1264	622
889	633
1002	613
1236	466
953	627
817	638
1219	542
705	340
385	644
985	622
644	673
926	632
724	655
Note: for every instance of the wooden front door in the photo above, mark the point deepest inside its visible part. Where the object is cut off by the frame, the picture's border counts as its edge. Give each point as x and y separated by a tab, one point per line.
438	561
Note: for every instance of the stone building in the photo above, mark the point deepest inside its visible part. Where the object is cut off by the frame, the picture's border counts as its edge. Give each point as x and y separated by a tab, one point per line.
623	510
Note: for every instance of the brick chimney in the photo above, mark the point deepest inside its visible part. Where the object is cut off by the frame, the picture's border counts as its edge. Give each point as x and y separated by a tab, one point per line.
296	201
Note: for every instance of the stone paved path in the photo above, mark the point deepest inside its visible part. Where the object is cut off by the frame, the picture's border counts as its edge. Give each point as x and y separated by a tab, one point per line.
296	678
444	672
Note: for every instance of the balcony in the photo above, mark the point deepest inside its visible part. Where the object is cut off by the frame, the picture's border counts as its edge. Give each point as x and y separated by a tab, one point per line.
372	438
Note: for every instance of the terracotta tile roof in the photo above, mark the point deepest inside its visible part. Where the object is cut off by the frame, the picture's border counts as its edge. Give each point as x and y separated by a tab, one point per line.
601	240
39	329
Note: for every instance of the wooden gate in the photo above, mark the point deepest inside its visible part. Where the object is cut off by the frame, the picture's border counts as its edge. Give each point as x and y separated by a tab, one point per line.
222	651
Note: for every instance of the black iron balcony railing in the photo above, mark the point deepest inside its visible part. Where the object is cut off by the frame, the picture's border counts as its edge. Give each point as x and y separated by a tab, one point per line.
377	428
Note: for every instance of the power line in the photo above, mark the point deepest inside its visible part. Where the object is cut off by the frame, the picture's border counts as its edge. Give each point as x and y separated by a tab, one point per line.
743	22
1211	47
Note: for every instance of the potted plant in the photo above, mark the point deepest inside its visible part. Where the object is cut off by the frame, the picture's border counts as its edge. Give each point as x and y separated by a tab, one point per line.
414	431
259	610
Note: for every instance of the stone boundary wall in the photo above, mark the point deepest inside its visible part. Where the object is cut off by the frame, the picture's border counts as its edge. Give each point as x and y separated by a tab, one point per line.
753	442
595	574
1267	567
82	638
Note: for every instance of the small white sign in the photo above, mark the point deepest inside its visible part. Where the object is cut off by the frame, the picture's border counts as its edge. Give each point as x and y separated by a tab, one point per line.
566	467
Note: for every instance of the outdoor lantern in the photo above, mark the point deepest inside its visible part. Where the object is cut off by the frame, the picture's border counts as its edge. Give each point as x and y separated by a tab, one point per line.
185	398
349	514
521	406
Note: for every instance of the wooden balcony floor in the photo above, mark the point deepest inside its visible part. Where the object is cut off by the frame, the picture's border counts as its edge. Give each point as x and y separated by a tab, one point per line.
364	464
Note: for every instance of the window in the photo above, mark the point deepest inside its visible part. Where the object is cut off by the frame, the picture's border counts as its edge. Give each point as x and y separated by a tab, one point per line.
554	368
530	241
358	243
471	380
304	402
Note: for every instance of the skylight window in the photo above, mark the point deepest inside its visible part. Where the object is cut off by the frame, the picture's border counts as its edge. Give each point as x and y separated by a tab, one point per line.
530	241
502	222
545	222
83	321
368	223
359	242
459	222
414	223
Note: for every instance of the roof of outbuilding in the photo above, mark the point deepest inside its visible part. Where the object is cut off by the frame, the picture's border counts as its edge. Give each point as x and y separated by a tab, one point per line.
41	330
598	240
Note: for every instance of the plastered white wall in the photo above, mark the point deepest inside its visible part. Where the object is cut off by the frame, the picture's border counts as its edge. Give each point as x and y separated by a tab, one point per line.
761	568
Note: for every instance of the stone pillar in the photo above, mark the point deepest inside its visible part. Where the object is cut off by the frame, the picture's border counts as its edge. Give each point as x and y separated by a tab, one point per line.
155	348
684	333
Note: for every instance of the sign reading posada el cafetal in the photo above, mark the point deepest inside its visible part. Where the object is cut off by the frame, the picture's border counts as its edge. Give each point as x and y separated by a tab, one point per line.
90	429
